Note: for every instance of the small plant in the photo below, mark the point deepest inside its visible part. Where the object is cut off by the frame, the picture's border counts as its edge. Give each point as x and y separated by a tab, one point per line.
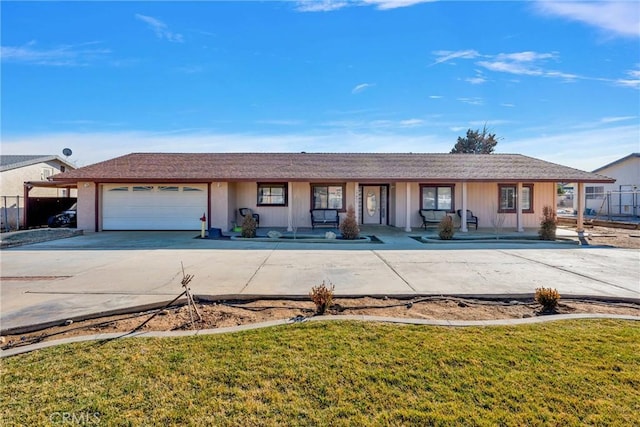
322	297
548	298
349	227
249	226
548	224
445	228
497	220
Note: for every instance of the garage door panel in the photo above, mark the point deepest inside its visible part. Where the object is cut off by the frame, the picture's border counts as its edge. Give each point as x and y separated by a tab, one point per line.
154	209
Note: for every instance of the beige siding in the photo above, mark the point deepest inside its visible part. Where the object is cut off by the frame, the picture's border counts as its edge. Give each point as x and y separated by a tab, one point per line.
12	181
482	199
219	210
86	209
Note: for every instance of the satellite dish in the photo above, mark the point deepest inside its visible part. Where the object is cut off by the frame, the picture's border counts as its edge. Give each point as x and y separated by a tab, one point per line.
67	152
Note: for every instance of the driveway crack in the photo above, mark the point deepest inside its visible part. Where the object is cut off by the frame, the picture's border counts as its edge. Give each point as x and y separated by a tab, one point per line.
566	270
394	270
258	269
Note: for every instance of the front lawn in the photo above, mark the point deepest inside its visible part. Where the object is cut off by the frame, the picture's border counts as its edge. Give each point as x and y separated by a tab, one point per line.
338	373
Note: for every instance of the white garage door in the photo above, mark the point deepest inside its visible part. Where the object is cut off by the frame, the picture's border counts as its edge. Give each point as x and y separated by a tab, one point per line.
153	207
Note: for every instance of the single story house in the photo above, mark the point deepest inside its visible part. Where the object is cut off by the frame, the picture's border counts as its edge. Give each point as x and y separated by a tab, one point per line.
621	198
172	191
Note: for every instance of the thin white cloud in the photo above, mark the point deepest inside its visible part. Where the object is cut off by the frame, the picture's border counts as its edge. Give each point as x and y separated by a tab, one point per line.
632	80
78	55
393	4
472	101
617	119
511	67
580	149
620	18
160	29
443	56
411	122
331	5
478	80
436	96
320	5
527	56
508	105
281	122
361	87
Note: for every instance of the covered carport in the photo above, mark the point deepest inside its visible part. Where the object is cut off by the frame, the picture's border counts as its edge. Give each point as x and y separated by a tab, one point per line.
37	210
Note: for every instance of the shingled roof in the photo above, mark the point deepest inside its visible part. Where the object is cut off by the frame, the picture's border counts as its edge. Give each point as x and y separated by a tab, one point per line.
360	167
8	161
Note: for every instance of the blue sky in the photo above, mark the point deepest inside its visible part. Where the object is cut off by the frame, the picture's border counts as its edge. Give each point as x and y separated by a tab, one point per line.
555	80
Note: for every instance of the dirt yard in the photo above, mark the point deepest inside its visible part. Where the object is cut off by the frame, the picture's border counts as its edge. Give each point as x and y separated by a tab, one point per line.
617	237
224	314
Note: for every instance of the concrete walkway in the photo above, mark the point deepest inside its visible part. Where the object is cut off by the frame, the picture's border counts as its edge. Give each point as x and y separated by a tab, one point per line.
110	271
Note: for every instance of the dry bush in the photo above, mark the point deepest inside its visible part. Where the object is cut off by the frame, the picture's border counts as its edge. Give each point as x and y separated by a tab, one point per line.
322	297
548	298
249	226
548	224
349	226
446	228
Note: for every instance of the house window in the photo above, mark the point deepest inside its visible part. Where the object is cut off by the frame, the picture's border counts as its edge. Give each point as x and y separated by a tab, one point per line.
168	188
508	198
594	192
191	189
143	188
119	189
272	194
45	173
439	197
328	196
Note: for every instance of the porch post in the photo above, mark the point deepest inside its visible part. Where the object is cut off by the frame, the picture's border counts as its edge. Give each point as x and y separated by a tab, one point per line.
356	205
580	196
519	200
463	216
407	227
289	206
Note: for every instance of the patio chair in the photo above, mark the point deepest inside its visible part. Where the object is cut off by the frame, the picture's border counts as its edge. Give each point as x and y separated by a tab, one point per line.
471	218
247	211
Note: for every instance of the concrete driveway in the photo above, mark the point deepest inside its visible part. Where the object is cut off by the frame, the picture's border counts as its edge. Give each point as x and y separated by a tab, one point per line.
104	272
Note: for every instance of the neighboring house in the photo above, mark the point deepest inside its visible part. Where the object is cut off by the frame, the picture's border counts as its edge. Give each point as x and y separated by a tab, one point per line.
157	191
15	170
622	197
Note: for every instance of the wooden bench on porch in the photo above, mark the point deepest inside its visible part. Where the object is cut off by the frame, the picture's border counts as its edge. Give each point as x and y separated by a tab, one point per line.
324	217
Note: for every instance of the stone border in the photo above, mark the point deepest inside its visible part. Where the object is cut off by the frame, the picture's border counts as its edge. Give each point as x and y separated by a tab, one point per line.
301	239
37	235
360	318
502	240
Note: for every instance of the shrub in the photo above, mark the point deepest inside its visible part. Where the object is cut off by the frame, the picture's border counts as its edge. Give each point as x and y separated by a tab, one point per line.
445	228
548	298
322	297
548	224
249	226
349	226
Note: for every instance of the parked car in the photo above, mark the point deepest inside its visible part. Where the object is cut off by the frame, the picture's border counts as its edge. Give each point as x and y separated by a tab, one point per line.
66	218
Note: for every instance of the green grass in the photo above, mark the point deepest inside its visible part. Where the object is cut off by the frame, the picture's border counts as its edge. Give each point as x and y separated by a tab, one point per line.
339	373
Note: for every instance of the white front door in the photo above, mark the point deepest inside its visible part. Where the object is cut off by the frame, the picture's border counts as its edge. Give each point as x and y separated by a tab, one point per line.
371	205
